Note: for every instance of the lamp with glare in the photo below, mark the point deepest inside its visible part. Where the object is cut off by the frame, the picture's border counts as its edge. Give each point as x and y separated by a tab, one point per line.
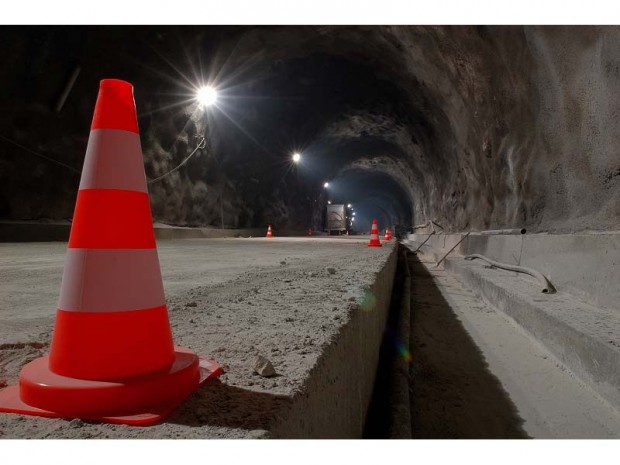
296	157
349	206
353	213
326	185
329	202
206	96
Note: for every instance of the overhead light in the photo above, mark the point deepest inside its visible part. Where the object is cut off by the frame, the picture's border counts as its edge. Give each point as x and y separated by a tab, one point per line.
349	206
206	96
326	185
296	157
353	213
329	202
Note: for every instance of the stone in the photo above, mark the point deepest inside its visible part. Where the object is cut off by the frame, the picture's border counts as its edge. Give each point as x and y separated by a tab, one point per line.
76	423
263	367
191	304
330	270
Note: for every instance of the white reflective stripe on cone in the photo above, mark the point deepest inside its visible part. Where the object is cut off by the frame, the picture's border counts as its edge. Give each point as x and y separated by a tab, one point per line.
113	161
111	280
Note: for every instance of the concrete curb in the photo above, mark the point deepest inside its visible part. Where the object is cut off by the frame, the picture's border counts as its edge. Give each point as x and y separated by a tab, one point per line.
59	232
334	401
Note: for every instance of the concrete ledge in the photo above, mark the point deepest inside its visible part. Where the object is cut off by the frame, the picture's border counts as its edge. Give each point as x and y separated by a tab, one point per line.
28	231
584	338
585	265
334	400
316	307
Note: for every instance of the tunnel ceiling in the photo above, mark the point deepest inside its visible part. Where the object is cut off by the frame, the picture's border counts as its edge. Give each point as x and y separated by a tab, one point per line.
473	127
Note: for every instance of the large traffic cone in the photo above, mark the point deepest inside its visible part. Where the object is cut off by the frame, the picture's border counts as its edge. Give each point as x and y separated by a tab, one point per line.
269	234
374	235
112	358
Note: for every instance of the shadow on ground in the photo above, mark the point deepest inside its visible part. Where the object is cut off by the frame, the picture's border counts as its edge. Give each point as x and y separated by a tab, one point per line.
453	393
218	404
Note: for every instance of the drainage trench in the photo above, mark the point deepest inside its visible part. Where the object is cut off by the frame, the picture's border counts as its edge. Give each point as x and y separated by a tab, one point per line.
452	394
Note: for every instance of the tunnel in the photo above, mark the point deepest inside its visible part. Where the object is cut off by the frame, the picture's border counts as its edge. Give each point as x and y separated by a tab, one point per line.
447	112
491	153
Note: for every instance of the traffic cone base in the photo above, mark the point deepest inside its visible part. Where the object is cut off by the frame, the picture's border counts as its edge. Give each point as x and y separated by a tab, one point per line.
142	400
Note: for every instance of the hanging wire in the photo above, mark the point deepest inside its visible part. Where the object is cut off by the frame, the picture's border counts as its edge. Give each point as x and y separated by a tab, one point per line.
201	145
40	155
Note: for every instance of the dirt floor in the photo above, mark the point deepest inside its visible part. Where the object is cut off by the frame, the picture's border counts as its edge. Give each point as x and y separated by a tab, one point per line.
228	299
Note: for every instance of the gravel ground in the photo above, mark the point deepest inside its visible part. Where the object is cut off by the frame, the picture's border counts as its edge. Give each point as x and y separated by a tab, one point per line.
228	299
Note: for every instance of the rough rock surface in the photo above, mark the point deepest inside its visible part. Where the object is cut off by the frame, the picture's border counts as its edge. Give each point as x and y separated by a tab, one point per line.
474	127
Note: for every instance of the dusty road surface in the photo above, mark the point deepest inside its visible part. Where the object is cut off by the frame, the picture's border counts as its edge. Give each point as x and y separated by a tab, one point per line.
228	299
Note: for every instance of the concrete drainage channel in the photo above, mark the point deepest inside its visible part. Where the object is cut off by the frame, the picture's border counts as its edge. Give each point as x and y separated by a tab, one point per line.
572	336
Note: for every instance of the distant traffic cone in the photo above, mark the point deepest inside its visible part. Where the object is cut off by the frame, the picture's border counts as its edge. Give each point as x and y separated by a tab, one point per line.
388	234
269	234
340	233
309	231
112	358
374	235
347	232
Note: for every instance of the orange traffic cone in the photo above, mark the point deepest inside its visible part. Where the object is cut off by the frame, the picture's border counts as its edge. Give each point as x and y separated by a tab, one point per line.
309	231
112	358
347	232
388	234
374	236
269	234
340	233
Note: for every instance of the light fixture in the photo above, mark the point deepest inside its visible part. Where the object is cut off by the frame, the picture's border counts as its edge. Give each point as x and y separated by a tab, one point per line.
329	202
353	213
296	157
206	96
326	185
349	206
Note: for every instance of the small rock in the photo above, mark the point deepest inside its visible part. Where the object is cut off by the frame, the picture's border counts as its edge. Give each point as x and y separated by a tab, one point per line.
191	304
282	262
264	367
330	269
76	423
312	274
289	319
287	280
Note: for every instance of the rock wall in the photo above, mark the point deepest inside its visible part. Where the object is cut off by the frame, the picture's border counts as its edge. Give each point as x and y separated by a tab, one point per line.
478	127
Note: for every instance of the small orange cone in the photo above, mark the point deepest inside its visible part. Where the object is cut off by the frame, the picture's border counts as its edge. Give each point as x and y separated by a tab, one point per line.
374	235
269	234
388	234
112	357
347	232
309	231
340	233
